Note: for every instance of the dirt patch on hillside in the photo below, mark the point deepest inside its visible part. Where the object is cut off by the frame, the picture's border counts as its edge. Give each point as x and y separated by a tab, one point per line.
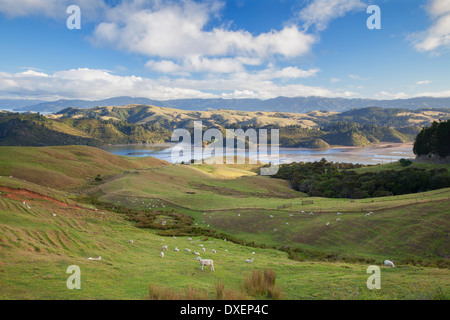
23	194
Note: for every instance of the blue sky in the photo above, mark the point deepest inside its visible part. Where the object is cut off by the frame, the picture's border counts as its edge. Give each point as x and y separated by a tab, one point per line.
224	49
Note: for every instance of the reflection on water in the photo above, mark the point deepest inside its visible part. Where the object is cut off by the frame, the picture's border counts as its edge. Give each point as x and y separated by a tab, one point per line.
381	153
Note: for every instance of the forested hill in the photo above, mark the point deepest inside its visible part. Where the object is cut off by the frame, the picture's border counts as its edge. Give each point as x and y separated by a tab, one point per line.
149	124
434	140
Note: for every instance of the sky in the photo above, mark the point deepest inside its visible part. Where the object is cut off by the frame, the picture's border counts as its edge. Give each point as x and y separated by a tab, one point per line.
178	49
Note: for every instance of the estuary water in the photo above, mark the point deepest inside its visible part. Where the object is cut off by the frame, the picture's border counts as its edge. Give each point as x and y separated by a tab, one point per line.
375	154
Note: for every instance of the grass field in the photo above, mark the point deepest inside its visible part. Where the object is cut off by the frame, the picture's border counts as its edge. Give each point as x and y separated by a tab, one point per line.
51	231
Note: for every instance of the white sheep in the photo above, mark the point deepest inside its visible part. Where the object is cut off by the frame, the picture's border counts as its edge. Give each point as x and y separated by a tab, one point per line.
389	263
328	223
291	215
189	239
196	253
271	216
203	249
339	214
213	251
337	220
311	213
188	250
162	254
176	249
96	259
249	260
367	215
206	263
164	248
253	252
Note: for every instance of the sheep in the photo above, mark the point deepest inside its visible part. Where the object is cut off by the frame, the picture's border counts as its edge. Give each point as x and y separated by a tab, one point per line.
328	223
271	216
162	254
287	223
253	252
187	250
291	215
275	230
203	249
95	259
249	260
213	251
367	215
189	239
131	241
339	214
176	249
196	253
206	263
164	248
389	263
337	220
239	214
311	213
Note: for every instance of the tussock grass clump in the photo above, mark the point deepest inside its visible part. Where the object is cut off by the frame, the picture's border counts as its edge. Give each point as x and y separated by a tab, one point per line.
222	293
262	283
160	293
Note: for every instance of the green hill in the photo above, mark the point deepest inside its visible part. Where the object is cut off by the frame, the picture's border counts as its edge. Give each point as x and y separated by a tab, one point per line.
47	225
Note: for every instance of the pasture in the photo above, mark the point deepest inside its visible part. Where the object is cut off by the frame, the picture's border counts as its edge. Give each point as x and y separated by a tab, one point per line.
46	228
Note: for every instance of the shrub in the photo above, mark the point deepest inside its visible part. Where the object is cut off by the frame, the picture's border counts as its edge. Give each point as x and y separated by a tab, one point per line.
262	283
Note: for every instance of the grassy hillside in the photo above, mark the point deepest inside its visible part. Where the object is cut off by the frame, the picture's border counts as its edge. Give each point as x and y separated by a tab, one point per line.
65	167
58	226
39	243
150	124
36	130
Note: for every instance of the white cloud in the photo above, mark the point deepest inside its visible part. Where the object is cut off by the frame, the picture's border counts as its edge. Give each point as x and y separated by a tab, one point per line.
178	30
93	84
56	9
197	64
389	96
403	95
320	13
438	35
424	82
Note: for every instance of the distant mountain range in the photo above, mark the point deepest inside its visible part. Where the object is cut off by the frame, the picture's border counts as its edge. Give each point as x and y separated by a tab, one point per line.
280	104
150	124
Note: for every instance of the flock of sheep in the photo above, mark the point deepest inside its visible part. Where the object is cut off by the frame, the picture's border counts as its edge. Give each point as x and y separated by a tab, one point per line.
203	262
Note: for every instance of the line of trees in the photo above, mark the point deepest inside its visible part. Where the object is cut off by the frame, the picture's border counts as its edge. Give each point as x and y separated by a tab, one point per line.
327	179
434	140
